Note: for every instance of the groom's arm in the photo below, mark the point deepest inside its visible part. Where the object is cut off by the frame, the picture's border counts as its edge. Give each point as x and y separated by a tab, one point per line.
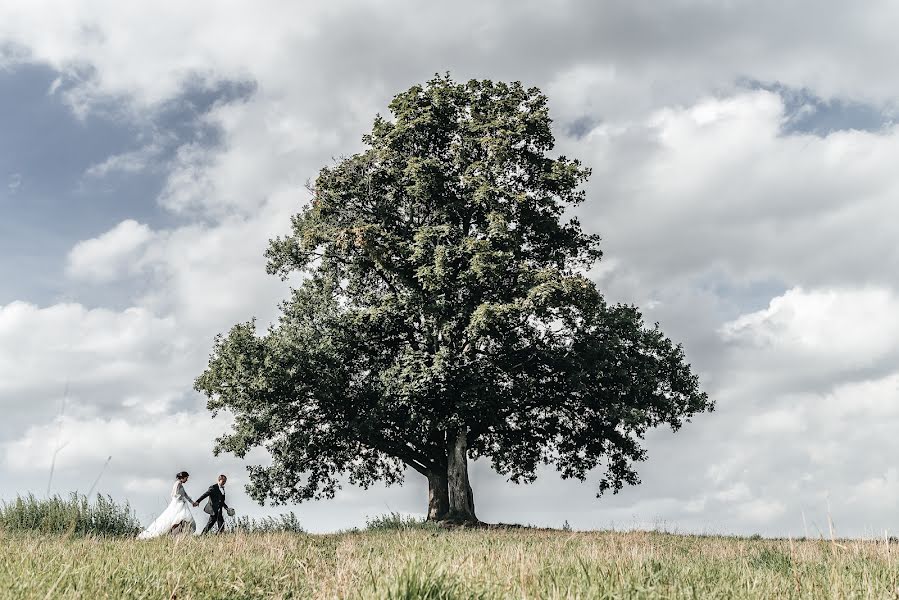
205	494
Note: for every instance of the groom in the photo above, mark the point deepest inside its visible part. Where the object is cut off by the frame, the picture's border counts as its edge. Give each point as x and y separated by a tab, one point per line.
216	495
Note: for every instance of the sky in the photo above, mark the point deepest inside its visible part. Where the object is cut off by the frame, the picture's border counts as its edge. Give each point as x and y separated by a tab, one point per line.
744	185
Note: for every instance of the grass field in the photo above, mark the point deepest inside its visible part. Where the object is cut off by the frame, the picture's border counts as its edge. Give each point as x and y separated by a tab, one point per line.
421	563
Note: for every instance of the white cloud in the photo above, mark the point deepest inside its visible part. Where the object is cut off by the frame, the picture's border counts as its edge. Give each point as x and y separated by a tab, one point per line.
819	337
668	54
781	420
878	492
735	493
13	183
134	161
41	347
144	444
761	510
189	184
716	189
846	325
154	485
112	254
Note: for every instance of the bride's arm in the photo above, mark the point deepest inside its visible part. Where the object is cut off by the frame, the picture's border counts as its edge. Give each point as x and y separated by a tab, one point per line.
178	492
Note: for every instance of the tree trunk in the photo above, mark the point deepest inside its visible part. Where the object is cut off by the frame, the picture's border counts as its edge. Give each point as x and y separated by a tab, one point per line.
438	496
461	499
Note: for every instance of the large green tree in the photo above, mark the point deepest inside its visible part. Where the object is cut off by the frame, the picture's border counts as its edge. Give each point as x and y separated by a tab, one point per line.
445	314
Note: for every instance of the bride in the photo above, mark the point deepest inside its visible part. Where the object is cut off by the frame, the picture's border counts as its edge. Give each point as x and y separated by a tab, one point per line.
177	517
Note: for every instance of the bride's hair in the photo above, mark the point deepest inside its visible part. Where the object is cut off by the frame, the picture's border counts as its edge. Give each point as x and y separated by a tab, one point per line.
182	475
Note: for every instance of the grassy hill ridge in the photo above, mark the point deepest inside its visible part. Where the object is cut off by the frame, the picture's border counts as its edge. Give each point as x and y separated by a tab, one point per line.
418	563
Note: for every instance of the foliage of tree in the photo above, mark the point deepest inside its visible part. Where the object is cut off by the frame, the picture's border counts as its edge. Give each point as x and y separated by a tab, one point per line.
445	314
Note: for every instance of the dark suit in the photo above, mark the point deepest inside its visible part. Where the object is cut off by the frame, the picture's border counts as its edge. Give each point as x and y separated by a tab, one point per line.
217	501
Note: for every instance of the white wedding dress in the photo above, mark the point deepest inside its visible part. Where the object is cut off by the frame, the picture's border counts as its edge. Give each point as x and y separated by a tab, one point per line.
176	518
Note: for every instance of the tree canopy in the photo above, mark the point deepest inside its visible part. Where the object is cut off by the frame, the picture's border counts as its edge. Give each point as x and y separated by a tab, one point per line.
445	314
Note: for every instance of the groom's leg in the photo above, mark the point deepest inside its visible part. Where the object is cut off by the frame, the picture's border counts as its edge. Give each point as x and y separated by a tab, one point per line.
212	520
220	519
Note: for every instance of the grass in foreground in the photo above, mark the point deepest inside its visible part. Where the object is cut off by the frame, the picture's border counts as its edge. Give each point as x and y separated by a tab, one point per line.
438	564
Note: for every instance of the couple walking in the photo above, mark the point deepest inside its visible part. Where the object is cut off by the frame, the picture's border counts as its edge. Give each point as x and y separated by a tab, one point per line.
178	518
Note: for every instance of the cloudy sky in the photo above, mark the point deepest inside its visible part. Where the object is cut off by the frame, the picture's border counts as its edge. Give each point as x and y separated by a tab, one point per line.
744	182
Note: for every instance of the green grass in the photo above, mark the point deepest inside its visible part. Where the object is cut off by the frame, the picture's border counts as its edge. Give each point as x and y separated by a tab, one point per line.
442	564
395	521
74	515
287	522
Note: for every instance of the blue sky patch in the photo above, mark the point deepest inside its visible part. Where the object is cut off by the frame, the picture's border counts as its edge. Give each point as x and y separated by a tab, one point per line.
49	198
808	113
